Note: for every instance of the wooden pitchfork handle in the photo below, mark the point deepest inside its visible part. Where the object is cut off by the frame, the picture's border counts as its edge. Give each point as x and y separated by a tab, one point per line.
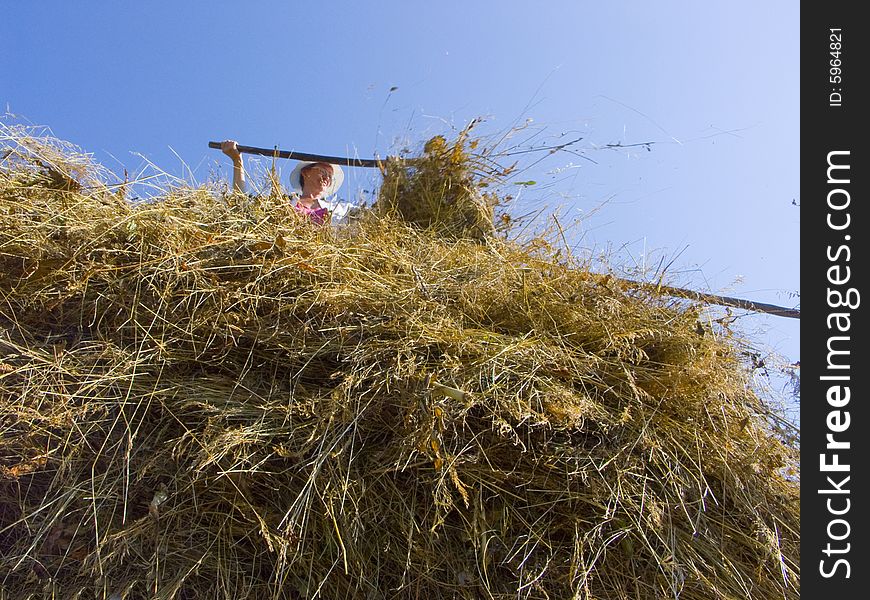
335	160
673	292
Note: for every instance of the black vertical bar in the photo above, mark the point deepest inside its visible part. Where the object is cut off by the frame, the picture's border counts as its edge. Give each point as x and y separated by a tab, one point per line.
835	421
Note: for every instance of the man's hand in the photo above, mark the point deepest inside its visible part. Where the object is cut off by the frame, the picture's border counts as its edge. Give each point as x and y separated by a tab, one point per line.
231	149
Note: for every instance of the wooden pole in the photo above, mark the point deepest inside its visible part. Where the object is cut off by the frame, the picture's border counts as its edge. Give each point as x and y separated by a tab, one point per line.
335	160
676	292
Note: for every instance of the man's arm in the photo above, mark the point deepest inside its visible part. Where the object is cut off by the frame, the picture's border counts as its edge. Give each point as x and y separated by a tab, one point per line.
231	149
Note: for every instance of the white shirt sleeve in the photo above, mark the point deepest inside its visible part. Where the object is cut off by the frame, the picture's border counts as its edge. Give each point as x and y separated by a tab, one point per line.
338	209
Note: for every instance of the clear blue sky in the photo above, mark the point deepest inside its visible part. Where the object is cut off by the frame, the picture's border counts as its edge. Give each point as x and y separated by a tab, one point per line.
714	85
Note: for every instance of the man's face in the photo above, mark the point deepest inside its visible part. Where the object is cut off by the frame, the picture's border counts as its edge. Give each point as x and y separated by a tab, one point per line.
316	178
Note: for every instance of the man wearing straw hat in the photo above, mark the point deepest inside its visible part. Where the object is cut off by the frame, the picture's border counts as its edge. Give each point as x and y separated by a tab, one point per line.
312	181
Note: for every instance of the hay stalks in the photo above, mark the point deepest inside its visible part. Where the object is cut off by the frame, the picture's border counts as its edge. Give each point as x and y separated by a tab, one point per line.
201	398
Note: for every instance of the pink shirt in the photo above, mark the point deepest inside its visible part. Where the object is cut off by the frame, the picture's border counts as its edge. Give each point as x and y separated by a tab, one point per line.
317	215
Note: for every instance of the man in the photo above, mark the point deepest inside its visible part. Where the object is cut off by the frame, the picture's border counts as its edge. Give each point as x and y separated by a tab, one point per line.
313	181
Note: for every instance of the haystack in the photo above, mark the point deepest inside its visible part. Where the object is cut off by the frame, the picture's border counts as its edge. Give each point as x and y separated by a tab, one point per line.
205	397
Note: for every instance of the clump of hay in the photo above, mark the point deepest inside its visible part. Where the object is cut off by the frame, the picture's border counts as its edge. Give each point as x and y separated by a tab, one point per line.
205	400
441	191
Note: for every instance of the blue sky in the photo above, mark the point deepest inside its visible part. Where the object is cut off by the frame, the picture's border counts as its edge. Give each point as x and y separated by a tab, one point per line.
715	86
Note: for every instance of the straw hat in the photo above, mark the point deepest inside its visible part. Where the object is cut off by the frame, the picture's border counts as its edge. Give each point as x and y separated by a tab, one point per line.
332	188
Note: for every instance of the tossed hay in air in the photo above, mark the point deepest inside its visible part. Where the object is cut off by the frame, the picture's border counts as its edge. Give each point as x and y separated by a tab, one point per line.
442	190
208	398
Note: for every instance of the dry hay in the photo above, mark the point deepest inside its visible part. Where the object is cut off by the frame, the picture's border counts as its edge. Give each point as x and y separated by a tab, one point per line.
203	398
441	191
